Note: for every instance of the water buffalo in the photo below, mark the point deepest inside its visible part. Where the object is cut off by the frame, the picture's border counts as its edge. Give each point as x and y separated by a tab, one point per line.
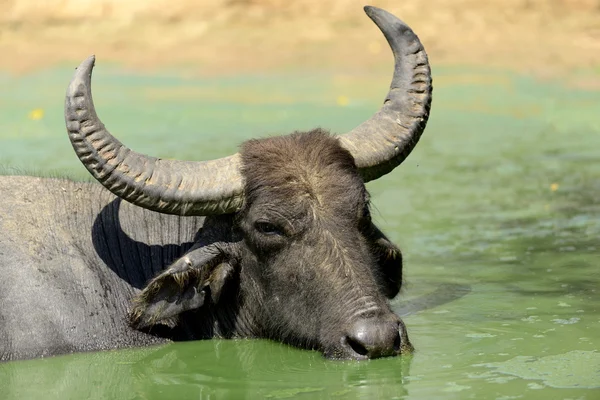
274	242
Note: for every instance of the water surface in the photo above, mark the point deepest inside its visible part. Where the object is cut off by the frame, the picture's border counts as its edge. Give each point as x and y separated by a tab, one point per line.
498	206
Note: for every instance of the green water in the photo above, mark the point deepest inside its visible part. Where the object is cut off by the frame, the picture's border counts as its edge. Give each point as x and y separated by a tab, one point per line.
500	196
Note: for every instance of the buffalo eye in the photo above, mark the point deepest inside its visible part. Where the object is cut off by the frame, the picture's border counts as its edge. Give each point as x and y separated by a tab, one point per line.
268	228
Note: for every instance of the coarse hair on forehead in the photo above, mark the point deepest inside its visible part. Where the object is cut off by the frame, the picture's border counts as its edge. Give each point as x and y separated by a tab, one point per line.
313	162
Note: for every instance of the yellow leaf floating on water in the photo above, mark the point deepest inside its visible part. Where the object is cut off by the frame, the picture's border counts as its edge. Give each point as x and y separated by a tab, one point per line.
554	187
342	100
36	114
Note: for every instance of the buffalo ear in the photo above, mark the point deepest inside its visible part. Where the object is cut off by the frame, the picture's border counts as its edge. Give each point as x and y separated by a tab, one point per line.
181	287
389	260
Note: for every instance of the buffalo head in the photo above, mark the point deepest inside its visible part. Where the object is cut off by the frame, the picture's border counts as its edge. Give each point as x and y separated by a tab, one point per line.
288	250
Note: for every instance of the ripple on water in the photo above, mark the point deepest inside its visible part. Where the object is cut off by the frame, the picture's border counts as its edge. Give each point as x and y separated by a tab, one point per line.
574	369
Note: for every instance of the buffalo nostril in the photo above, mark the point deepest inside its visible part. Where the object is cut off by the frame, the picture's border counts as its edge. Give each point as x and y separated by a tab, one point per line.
356	346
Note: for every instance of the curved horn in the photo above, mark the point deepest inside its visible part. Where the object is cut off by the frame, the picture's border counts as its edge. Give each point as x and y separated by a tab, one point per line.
381	143
166	186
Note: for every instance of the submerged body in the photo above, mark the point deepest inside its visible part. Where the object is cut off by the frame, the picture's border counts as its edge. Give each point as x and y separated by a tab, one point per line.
77	256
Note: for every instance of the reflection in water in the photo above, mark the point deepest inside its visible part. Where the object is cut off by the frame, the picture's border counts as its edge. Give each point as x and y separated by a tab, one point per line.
204	370
103	375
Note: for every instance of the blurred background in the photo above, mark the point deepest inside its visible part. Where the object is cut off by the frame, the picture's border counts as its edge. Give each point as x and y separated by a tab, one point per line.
232	36
496	208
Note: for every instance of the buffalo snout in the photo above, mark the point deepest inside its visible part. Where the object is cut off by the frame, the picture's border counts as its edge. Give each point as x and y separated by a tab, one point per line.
371	338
